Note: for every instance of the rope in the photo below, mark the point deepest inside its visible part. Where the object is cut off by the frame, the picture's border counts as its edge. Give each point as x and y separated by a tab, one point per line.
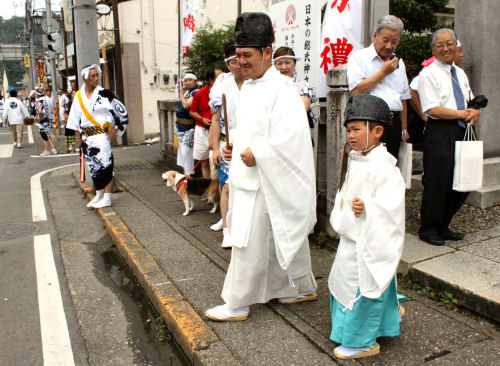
199	161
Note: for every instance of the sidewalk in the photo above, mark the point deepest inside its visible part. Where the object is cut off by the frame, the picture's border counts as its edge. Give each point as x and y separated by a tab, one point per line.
181	265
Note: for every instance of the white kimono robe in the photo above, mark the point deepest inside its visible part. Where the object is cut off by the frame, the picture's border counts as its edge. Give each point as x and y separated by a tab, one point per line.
370	245
107	111
272	205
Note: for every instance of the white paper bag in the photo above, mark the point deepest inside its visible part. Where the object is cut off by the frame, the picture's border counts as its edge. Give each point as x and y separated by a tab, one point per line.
468	172
405	162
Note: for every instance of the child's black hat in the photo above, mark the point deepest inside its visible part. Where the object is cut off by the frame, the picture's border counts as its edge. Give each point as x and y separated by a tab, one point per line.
366	107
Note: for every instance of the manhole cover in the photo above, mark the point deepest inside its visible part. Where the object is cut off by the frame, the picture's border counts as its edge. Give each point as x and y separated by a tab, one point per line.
133	167
14	231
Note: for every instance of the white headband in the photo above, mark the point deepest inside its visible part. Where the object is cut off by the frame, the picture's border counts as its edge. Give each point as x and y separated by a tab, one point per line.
230	58
85	72
296	58
190	75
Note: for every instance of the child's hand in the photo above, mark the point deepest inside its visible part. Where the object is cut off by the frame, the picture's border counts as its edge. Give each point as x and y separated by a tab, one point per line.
358	206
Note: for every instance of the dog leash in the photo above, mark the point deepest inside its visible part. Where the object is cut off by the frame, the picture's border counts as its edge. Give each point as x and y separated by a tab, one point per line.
199	161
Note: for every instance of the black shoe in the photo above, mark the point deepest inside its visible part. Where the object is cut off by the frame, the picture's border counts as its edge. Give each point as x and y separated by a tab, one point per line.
452	235
432	239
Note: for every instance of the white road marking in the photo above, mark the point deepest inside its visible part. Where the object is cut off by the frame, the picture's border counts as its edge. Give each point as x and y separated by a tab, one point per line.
38	211
30	135
6	150
54	156
56	344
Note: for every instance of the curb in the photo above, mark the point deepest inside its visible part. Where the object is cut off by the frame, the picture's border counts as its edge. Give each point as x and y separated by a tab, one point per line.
199	343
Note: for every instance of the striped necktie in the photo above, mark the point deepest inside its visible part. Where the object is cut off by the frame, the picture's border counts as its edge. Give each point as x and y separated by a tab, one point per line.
459	97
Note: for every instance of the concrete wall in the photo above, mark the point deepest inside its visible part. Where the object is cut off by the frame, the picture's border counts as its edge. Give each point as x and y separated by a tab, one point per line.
152	24
477	24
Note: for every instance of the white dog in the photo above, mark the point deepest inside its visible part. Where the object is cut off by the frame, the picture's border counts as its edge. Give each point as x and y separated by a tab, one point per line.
186	186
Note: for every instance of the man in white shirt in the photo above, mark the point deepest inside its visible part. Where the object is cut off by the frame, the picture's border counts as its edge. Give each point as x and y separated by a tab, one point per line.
14	113
444	93
378	71
63	107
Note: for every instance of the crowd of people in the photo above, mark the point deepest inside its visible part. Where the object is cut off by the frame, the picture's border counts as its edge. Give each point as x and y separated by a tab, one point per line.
251	127
39	107
266	173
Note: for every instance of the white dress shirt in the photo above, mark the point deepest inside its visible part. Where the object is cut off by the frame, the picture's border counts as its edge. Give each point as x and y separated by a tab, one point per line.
392	89
14	111
414	82
435	87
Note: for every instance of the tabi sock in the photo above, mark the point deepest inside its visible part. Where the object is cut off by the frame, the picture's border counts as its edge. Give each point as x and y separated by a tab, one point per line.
104	202
98	196
350	352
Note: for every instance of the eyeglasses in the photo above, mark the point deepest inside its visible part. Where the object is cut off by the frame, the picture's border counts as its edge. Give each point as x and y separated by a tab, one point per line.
450	44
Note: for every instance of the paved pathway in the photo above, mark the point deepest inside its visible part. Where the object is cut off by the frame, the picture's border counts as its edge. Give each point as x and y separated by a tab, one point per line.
190	254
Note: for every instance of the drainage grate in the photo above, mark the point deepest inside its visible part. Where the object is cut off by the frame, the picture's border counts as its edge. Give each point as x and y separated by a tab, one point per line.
133	167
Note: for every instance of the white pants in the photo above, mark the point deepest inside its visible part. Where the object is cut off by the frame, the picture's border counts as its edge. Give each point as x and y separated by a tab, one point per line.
200	146
185	158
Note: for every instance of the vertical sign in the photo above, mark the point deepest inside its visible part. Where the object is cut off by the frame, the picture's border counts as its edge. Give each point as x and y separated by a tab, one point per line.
188	26
340	36
67	6
297	25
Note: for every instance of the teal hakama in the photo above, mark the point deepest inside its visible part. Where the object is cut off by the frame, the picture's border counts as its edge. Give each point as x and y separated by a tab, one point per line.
368	319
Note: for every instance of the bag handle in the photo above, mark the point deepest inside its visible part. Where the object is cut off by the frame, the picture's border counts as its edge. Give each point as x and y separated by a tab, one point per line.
469	133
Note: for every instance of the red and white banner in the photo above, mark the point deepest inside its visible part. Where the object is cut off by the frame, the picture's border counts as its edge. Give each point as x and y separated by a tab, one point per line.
188	26
340	36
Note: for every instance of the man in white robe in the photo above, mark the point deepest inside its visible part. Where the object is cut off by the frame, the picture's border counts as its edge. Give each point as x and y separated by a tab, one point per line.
272	192
227	84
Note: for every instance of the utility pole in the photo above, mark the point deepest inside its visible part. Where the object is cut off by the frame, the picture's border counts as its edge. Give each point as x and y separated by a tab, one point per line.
52	60
85	30
31	46
239	7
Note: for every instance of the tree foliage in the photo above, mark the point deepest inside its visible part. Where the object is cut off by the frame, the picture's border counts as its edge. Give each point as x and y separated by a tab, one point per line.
12	32
417	15
206	49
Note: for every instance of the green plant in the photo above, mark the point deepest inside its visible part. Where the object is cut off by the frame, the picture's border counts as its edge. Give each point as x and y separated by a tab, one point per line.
449	301
206	49
161	330
445	298
321	238
417	15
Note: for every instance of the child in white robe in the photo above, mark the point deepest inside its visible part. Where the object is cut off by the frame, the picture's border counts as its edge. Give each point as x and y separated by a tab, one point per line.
369	216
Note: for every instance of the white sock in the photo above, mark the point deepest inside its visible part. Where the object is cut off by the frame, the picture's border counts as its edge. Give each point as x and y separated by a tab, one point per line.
349	352
217	226
104	202
226	241
98	196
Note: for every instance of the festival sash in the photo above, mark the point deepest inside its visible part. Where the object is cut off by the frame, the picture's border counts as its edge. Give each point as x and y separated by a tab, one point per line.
86	112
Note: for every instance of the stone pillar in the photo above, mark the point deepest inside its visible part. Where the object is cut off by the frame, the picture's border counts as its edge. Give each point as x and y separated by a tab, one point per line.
477	24
335	133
